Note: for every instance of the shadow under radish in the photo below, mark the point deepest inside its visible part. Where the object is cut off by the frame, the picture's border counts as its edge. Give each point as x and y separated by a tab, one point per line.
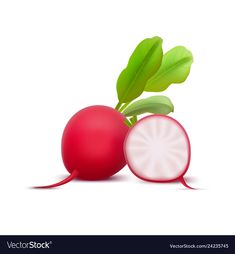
115	178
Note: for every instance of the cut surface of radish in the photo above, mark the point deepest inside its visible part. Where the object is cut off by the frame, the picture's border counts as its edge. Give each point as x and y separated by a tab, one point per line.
157	149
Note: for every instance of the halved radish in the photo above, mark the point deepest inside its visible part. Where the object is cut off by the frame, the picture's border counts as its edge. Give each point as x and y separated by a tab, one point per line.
157	149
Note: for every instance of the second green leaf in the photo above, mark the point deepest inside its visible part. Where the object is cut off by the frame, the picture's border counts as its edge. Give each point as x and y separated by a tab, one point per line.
175	68
154	104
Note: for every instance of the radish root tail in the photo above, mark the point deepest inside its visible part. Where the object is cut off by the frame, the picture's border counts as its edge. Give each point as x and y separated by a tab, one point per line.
182	180
73	175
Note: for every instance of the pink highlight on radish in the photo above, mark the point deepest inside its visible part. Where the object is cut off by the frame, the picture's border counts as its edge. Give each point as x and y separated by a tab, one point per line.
157	149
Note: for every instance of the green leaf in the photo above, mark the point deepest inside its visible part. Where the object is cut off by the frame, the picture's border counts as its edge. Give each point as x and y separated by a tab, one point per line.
143	63
175	68
154	104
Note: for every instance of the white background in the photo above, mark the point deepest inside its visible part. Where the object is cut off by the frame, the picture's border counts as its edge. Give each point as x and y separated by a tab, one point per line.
57	57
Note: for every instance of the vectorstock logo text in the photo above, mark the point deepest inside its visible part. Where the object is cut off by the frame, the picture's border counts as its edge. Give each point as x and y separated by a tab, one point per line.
29	245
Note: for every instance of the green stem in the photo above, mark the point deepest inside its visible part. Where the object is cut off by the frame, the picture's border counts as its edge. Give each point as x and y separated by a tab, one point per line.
124	106
133	119
118	105
128	123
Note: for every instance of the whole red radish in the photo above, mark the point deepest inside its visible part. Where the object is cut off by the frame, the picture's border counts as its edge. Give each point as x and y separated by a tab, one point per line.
92	144
157	149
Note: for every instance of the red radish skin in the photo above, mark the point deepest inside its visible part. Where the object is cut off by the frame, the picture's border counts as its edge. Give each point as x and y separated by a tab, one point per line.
129	146
92	144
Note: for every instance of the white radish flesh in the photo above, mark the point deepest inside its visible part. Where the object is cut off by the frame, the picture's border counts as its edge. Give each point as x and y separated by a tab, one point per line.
157	149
